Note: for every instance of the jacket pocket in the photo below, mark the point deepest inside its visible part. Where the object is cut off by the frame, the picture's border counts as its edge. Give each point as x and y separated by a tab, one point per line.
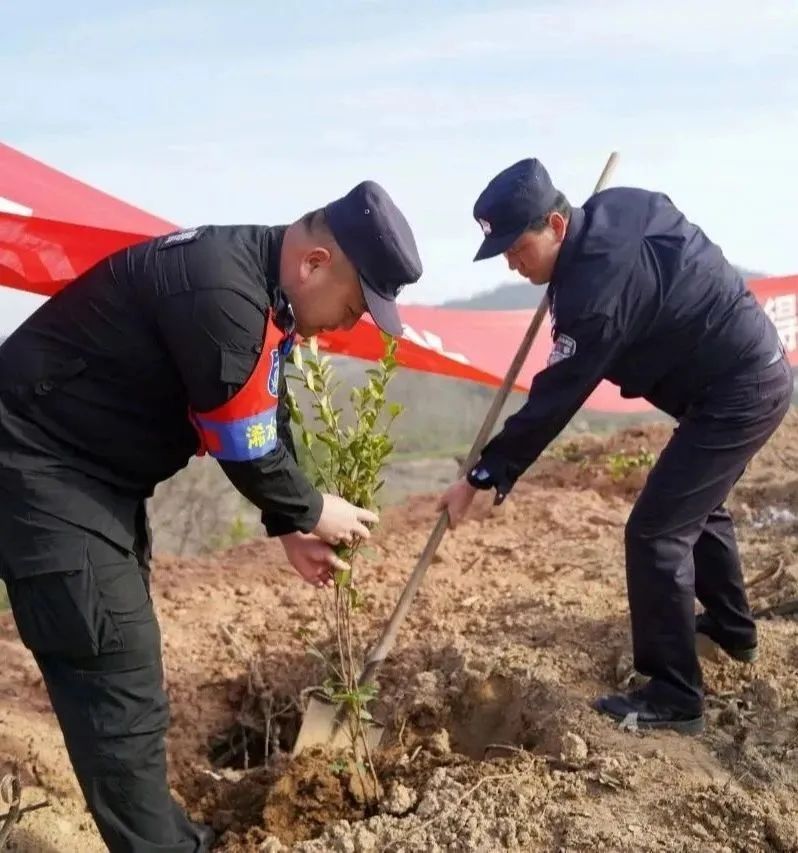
54	596
59	376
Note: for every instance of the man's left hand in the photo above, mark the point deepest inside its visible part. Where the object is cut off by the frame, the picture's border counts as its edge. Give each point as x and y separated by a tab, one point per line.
457	500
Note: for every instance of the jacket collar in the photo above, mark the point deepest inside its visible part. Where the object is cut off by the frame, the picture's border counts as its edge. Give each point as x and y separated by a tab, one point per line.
281	309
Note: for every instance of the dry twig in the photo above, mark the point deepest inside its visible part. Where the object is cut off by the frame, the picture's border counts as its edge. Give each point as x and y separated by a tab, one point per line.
786	608
11	793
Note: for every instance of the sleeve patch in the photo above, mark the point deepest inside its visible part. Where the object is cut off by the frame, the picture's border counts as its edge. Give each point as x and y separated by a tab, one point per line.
564	347
180	237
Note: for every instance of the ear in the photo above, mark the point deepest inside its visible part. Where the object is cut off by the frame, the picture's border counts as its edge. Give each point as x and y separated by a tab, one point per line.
317	257
559	224
312	260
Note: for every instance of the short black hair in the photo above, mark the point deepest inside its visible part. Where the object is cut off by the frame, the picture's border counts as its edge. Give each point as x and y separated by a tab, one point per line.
315	222
561	205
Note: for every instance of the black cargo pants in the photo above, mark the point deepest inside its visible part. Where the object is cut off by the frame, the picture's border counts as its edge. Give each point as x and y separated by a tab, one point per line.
82	606
680	540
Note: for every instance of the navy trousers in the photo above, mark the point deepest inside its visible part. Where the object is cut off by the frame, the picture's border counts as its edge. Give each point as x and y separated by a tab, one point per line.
680	540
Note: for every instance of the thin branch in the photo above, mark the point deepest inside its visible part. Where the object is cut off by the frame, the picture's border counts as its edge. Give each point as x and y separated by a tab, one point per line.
27	809
767	573
786	608
13	814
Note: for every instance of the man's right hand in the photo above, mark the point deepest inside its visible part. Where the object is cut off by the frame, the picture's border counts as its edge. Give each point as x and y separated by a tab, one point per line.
341	522
314	560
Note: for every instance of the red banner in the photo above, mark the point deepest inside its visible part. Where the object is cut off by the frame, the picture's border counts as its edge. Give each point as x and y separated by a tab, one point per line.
53	227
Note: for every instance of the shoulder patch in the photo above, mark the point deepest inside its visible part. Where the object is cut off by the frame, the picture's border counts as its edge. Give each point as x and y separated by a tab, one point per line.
180	237
564	347
273	382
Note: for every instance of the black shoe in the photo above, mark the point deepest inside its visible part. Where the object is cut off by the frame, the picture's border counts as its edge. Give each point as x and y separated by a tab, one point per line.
650	714
708	642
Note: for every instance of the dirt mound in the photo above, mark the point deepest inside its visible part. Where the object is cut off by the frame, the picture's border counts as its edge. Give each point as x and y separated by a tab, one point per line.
490	740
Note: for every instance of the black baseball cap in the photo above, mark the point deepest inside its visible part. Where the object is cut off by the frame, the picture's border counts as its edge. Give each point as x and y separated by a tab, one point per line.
510	203
374	234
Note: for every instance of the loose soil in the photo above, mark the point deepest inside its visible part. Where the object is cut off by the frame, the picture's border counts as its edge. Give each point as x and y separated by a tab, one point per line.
490	740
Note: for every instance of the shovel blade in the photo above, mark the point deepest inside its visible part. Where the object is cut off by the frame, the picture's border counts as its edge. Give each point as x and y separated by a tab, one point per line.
320	728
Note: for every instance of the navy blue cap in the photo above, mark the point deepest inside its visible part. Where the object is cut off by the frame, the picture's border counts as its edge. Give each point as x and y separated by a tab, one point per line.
374	234
510	203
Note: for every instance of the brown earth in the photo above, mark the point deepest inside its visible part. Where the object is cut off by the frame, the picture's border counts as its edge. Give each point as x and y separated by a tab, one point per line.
490	743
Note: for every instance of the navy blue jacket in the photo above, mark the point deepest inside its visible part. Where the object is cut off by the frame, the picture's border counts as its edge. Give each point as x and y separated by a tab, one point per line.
641	297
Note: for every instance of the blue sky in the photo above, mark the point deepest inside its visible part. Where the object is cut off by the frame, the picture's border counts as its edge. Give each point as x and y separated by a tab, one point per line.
256	111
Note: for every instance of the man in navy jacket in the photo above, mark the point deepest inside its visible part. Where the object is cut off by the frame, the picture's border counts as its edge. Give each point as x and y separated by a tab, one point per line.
641	297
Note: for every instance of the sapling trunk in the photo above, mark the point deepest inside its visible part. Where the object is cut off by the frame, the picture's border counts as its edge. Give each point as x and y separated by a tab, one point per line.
347	461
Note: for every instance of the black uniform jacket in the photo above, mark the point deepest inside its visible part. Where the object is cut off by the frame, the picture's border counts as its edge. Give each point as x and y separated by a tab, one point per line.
96	386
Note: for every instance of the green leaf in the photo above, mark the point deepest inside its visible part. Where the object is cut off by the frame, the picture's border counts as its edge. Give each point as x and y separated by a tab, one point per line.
313	346
395	409
296	355
368	691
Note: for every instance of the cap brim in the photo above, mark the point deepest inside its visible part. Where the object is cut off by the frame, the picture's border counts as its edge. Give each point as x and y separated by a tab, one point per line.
383	311
493	246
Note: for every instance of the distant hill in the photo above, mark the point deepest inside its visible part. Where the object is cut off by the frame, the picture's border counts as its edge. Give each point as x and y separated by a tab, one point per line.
504	297
514	296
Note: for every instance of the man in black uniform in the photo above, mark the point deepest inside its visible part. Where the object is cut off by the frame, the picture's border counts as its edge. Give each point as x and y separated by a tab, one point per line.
641	297
169	348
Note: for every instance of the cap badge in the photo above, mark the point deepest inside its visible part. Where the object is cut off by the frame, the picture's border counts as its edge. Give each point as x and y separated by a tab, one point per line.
485	227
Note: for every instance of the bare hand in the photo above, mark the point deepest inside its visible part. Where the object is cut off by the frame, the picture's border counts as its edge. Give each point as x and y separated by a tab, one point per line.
341	521
456	500
314	560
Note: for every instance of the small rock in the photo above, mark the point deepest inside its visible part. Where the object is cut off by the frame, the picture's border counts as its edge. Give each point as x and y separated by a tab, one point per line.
428	693
400	799
730	715
242	591
574	749
429	806
365	840
766	693
339	829
699	830
223	819
272	844
231	775
439	743
344	845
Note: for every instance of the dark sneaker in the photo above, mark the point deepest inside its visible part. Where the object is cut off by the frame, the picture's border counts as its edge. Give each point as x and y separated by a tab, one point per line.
709	644
649	714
